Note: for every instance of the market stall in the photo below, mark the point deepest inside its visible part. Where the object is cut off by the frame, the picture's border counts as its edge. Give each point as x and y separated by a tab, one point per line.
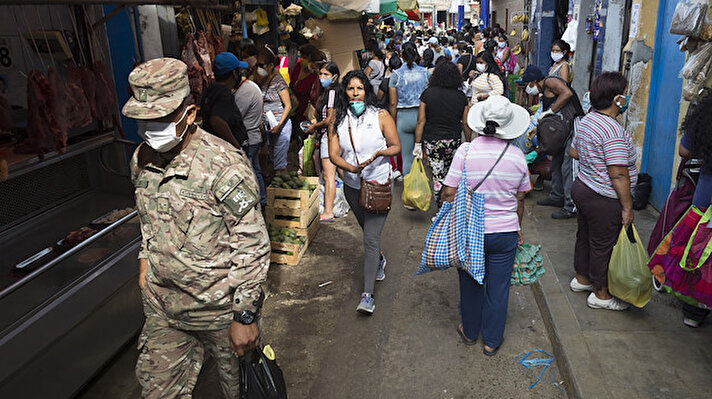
69	235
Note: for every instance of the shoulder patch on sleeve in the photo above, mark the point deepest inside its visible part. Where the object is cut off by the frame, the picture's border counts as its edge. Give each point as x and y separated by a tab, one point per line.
225	184
240	199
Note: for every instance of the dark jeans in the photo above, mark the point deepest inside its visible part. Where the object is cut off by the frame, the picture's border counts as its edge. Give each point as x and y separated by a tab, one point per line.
485	306
561	177
599	223
372	225
253	154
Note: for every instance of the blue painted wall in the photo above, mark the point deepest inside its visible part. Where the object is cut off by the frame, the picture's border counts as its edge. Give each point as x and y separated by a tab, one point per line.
663	106
121	47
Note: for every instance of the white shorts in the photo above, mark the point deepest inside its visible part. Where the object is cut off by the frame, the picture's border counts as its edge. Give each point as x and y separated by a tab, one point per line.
324	146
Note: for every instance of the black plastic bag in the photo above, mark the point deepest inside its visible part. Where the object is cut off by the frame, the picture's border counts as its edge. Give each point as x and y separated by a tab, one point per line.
261	377
641	191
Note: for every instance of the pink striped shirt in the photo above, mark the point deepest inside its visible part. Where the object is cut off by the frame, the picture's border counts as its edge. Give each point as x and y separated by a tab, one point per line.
500	189
602	142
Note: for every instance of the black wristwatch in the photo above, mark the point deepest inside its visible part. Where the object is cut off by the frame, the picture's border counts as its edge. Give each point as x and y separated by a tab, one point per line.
245	317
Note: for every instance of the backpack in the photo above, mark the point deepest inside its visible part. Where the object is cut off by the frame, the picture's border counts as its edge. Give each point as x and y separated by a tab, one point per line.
554	130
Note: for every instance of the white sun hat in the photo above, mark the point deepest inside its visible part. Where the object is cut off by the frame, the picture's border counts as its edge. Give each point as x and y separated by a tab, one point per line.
510	120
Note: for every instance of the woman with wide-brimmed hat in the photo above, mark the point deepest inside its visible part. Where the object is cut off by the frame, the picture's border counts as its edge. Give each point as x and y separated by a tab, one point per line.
497	170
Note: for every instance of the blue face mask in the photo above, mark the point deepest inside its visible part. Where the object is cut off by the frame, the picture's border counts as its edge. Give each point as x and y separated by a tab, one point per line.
624	107
357	107
325	82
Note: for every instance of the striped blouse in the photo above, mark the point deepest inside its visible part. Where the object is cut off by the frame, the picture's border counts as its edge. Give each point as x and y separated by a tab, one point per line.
500	189
486	83
602	142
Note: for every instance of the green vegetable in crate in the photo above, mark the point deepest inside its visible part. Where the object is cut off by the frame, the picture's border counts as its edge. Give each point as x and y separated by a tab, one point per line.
277	180
294	173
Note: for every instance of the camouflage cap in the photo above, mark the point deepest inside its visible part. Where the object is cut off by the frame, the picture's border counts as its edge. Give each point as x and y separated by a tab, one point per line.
159	87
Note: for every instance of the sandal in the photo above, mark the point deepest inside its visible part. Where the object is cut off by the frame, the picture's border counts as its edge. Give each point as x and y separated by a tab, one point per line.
494	351
325	219
465	340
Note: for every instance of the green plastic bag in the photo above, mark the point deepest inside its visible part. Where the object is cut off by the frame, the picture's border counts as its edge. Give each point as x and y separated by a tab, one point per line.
416	189
628	275
308	167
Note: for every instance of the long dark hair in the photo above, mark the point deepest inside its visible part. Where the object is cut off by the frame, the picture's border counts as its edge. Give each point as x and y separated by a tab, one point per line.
697	125
324	95
342	99
410	54
492	66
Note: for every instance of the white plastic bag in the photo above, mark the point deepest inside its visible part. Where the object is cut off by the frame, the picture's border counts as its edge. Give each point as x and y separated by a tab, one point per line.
696	62
688	18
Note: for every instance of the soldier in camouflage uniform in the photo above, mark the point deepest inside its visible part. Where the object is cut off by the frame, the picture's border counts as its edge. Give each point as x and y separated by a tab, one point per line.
204	250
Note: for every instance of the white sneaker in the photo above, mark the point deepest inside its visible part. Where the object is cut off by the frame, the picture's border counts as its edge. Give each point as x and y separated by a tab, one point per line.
578	287
610	304
397	175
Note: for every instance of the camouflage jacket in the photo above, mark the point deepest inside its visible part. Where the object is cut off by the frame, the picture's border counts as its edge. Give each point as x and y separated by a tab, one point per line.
202	232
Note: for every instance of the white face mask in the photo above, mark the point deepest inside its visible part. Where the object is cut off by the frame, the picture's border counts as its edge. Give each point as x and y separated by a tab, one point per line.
532	90
481	67
261	72
502	44
161	136
556	56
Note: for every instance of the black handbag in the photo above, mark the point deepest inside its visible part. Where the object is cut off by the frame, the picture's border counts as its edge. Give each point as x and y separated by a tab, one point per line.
261	377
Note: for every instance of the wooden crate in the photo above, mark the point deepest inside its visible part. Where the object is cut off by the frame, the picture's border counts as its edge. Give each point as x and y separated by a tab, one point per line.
293	198
297	250
285	259
282	216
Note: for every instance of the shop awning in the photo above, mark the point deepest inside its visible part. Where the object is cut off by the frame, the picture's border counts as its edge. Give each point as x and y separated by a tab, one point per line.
400	15
407	5
413	15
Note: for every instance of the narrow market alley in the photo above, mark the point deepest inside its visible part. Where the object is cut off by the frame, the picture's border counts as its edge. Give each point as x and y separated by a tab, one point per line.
410	349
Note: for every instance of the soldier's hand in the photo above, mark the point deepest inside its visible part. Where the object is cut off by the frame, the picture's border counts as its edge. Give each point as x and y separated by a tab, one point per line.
243	337
142	269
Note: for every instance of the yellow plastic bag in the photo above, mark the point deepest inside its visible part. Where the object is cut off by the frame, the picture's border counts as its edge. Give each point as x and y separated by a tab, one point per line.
628	275
416	189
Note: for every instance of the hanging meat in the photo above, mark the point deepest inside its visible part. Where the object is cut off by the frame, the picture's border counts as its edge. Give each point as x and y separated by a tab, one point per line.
44	133
5	114
188	54
196	74
205	60
198	82
86	79
58	107
218	44
80	115
105	96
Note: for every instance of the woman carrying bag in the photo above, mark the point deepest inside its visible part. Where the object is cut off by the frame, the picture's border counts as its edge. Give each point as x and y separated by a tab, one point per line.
361	139
496	178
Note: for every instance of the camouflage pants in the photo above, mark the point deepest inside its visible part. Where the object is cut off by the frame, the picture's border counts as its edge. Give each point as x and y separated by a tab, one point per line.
170	359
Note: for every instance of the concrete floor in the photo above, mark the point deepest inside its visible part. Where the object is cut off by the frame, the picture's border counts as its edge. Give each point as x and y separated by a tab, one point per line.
638	353
408	349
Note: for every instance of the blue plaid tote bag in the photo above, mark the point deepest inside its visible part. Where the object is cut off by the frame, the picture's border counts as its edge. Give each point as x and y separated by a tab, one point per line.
456	236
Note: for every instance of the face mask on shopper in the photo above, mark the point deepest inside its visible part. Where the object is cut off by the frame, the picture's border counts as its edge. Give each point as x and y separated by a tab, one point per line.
625	106
556	56
481	68
502	44
325	82
357	107
261	72
532	90
161	136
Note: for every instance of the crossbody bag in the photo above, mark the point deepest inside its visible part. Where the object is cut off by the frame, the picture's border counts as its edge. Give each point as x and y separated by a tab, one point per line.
374	197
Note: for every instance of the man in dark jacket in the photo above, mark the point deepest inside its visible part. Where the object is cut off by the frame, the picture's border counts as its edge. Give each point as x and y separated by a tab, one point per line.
221	116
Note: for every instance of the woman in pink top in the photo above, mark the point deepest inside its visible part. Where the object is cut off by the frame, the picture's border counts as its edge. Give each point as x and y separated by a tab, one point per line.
497	121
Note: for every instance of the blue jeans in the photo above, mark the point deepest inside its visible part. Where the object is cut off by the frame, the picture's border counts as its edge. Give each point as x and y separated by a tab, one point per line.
485	306
407	118
279	144
253	154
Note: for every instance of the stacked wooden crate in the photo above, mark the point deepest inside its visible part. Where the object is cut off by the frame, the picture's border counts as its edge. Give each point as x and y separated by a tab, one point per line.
296	209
